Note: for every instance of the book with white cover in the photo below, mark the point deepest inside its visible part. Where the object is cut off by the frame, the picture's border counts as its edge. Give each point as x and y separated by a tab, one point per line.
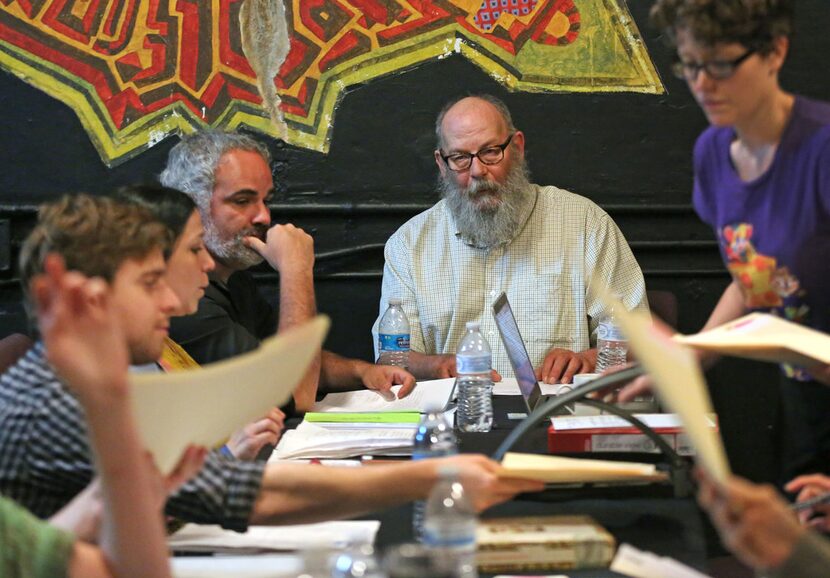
764	337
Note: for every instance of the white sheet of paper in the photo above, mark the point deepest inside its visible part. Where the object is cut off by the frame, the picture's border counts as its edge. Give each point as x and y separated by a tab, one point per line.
764	337
204	406
678	381
435	392
508	386
270	566
338	534
652	420
639	564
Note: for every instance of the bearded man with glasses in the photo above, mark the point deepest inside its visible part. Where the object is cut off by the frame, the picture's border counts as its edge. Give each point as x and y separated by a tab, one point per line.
494	231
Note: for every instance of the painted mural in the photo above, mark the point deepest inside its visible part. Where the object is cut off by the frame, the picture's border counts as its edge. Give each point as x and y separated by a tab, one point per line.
136	71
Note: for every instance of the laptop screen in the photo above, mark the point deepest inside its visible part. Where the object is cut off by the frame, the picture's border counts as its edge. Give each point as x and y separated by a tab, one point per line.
516	351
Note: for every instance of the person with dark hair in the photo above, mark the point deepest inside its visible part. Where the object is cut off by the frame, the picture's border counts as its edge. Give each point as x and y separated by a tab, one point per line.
188	265
762	182
228	175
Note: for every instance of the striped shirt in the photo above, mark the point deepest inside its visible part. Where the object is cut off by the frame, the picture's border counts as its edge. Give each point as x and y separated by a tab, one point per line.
565	242
46	459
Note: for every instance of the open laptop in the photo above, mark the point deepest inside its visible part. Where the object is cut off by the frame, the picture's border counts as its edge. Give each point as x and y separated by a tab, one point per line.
517	353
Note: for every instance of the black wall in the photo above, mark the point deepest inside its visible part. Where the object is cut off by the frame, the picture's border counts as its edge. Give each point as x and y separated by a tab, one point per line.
630	153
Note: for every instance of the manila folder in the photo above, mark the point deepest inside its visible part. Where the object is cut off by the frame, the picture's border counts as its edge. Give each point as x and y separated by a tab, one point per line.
764	337
559	470
204	406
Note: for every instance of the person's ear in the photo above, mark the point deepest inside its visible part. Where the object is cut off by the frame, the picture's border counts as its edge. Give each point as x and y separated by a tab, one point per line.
780	49
519	142
442	166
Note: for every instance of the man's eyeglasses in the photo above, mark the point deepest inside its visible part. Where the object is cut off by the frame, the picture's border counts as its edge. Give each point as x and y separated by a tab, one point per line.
489	156
716	69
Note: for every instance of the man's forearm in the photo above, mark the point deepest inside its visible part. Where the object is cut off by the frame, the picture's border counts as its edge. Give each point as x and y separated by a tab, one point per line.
299	493
298	305
339	373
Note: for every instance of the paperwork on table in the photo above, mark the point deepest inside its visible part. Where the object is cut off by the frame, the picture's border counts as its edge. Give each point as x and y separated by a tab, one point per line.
357	423
630	561
315	441
270	566
427	394
339	534
204	406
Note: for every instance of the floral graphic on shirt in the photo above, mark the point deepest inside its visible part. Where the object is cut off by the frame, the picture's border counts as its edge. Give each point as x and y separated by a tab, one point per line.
763	283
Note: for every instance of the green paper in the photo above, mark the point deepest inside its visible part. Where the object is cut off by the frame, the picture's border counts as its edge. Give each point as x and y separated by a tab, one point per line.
367	417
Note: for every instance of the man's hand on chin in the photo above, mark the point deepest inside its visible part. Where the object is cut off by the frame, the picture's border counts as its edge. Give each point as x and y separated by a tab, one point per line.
288	249
560	365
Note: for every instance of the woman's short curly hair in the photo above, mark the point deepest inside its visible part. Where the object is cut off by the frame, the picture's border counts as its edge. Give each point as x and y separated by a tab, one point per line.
753	23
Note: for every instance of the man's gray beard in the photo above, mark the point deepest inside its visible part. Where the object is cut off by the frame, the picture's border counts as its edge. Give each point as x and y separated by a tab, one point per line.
488	227
230	252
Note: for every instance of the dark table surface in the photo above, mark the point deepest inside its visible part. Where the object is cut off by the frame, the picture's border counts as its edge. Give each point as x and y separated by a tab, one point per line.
648	518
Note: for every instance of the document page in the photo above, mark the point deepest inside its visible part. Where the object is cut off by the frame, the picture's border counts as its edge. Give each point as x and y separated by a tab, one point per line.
432	393
766	338
206	405
338	534
313	441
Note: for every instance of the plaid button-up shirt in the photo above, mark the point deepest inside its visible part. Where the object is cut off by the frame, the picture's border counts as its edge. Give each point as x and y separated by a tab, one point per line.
45	457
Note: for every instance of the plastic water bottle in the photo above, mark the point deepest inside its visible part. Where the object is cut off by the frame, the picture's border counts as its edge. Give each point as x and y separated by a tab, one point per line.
473	363
357	562
612	346
434	438
393	336
450	526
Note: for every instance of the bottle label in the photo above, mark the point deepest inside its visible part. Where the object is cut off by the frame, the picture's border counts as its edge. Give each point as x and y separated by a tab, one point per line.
393	342
470	364
609	332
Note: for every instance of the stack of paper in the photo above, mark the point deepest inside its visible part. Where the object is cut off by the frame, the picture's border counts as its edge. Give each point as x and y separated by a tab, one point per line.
203	538
313	441
426	395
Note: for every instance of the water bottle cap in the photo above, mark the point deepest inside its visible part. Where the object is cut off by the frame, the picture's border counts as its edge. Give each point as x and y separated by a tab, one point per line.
395	301
473	326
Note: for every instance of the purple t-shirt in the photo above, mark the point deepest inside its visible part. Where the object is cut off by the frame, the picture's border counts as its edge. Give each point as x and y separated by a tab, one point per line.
774	232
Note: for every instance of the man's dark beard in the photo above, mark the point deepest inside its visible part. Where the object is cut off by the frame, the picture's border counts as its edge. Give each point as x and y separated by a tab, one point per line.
232	252
489	226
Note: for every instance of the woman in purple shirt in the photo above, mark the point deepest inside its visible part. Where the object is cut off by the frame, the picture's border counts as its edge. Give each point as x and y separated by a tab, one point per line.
762	182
